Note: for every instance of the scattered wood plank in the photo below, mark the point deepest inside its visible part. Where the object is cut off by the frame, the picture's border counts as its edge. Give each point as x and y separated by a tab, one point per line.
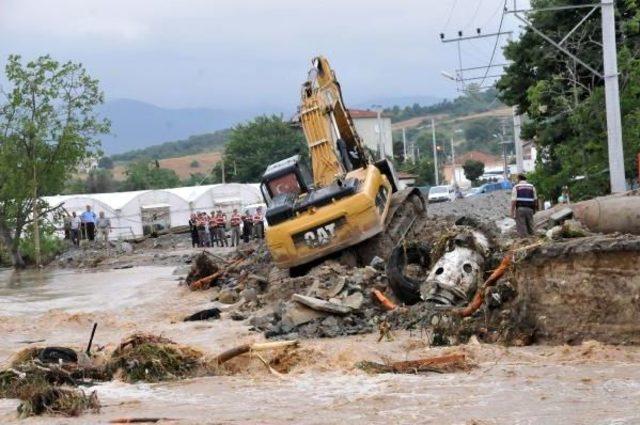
140	420
258	278
322	305
245	348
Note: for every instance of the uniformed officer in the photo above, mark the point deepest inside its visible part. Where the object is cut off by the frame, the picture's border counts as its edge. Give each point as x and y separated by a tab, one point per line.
524	202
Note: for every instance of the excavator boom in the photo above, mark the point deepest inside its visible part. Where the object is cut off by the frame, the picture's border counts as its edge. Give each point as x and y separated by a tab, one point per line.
334	146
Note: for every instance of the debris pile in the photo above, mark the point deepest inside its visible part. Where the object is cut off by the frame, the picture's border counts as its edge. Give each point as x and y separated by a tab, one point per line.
151	358
45	380
442	364
457	274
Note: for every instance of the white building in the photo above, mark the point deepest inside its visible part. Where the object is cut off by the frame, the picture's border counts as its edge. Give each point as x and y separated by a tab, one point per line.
375	132
135	213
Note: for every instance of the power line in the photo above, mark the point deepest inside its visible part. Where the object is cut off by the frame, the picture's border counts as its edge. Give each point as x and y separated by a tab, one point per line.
495	45
453	6
475	15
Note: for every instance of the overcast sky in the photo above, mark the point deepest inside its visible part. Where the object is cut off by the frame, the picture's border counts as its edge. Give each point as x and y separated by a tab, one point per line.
251	53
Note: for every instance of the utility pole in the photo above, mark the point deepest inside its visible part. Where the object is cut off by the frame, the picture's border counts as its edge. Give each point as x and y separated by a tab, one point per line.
612	98
504	144
380	145
404	143
222	167
435	150
518	142
36	214
453	163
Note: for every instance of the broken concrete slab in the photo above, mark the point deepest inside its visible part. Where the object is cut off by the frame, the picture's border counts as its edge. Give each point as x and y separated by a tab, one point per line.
296	314
560	216
321	305
354	300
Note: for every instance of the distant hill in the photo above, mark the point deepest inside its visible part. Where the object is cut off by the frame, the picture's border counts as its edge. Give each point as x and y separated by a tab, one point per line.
192	145
401	101
137	125
184	166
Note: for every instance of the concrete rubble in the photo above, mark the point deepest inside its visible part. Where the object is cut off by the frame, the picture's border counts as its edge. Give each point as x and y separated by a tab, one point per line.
453	250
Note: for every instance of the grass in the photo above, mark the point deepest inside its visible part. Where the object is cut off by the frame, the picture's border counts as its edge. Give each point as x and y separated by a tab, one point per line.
58	401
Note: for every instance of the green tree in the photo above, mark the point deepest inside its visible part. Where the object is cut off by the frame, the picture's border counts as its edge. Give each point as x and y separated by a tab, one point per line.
473	170
564	102
106	162
100	181
194	164
423	170
143	175
48	126
251	147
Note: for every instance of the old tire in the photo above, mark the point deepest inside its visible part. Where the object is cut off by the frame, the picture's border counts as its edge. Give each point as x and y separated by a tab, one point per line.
57	354
405	288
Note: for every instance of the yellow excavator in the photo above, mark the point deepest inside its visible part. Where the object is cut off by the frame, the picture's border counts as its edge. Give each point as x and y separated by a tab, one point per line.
345	199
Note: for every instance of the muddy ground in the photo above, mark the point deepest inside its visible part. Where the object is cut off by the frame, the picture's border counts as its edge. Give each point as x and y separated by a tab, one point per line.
576	296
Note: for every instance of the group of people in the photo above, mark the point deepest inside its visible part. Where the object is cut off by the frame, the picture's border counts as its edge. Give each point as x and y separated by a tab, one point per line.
85	226
208	230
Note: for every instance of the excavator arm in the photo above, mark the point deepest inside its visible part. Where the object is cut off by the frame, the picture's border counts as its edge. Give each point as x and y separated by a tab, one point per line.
334	146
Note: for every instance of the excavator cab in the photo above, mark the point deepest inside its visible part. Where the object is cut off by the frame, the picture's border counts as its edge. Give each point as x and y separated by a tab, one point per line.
287	188
282	184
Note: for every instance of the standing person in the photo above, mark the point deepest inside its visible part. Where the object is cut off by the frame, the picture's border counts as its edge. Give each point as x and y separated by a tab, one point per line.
247	226
66	223
88	219
221	224
213	231
202	229
75	229
565	195
104	228
236	219
193	229
258	225
524	202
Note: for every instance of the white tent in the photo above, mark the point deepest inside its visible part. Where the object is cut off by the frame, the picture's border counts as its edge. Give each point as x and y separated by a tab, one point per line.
131	211
219	196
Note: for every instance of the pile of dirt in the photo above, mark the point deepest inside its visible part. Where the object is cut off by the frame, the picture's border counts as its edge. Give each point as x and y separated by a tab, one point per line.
147	251
484	208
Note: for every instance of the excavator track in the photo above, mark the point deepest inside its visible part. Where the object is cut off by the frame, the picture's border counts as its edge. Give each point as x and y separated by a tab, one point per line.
407	207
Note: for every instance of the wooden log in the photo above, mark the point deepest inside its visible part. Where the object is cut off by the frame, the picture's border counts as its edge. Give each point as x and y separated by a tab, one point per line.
322	305
440	364
206	282
245	348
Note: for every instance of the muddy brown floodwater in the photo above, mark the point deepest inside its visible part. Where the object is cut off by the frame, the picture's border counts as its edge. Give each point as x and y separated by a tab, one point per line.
586	384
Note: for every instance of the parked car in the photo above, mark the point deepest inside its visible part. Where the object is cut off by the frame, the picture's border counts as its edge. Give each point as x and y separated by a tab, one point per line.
441	194
489	187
